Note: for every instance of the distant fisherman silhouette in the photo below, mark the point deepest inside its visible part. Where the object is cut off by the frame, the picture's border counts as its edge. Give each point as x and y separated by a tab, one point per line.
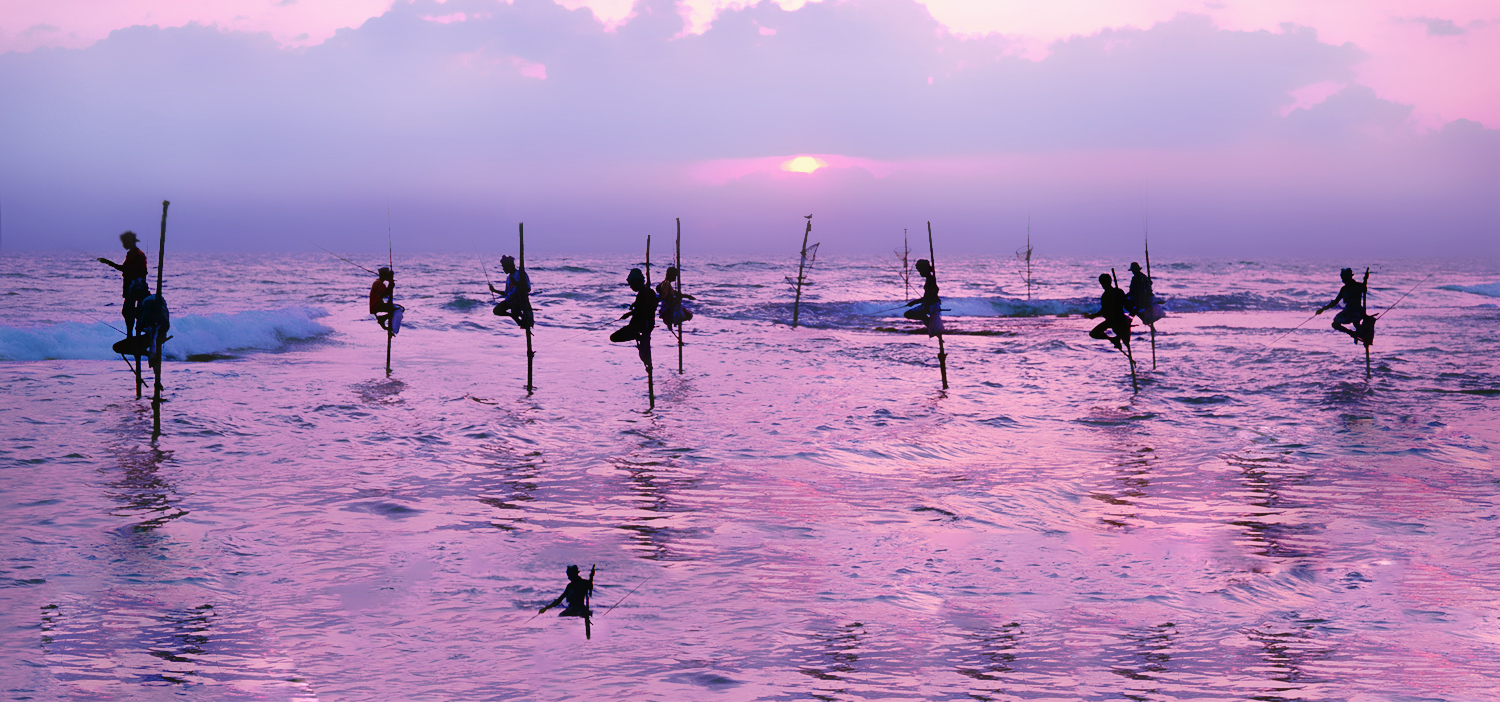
641	316
133	268
516	297
1141	300
383	298
673	312
576	594
927	309
1112	307
1352	294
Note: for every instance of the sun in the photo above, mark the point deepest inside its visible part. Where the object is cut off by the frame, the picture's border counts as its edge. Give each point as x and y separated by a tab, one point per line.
804	164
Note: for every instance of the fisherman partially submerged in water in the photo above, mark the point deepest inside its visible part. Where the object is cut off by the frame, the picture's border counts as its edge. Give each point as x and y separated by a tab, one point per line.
133	269
515	299
1352	294
673	312
927	309
1112	307
641	315
383	297
576	594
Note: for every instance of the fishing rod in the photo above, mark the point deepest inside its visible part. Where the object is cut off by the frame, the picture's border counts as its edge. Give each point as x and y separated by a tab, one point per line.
632	592
128	364
1299	326
345	260
1408	292
490	287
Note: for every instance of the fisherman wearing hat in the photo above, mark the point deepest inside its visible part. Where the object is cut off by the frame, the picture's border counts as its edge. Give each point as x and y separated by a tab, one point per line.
133	268
1141	300
516	297
383	297
1352	294
642	313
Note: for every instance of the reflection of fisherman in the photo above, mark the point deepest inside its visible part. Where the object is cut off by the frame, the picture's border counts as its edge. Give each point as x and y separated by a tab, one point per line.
641	316
1112	307
133	268
673	312
1141	300
927	308
516	297
1352	294
383	298
576	594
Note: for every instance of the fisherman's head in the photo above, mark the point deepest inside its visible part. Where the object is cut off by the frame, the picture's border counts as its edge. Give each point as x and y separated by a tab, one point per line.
1347	274
1135	267
924	267
671	274
386	274
508	264
128	240
572	572
636	279
1106	281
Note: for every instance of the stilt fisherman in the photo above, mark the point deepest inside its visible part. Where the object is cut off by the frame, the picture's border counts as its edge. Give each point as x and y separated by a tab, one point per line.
1352	294
1112	307
673	312
927	309
133	269
1141	300
383	298
516	297
641	315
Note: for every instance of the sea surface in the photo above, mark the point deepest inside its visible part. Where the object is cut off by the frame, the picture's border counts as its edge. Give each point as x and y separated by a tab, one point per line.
805	514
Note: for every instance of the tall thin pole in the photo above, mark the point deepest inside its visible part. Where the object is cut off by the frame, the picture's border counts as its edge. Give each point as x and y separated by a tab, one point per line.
1151	304
1124	345
161	255
1028	258
680	331
1361	327
801	266
646	338
648	260
942	352
521	233
390	251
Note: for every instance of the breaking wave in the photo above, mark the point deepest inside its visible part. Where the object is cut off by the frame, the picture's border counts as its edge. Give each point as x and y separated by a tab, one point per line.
1485	289
192	335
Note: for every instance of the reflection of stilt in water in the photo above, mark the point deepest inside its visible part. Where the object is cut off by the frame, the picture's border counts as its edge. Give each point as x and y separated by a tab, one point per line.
1273	531
141	492
1147	661
835	660
653	483
120	645
1288	649
989	654
1130	482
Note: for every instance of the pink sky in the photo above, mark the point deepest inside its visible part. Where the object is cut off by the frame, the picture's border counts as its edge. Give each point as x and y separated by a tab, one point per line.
1435	55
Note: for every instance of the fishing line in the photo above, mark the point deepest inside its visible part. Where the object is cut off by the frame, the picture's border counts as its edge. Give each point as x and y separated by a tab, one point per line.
1299	326
345	260
1408	292
632	592
490	287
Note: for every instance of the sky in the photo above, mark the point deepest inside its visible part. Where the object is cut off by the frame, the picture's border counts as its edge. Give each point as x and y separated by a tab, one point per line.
1271	128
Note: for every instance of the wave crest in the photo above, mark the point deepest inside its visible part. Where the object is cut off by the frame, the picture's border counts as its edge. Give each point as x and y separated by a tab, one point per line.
192	335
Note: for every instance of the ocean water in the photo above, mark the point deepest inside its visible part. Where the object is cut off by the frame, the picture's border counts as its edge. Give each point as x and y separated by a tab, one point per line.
804	515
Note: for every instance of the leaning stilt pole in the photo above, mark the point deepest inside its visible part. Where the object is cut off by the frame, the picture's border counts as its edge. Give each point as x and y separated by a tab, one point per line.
1151	309
801	267
521	265
678	261
942	351
390	251
161	256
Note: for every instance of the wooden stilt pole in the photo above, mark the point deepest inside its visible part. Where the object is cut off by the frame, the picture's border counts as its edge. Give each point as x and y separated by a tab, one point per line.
648	260
161	256
942	351
1151	304
801	267
680	331
521	266
650	386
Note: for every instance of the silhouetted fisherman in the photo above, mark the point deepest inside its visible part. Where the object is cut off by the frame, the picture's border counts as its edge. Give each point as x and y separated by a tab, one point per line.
927	308
1141	300
516	297
642	313
576	594
383	298
1352	294
1112	307
133	268
673	312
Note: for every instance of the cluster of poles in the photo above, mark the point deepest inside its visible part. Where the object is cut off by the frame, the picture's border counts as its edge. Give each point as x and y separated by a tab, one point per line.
152	323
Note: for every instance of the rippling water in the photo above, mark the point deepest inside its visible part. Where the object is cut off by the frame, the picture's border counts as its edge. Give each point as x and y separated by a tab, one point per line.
805	515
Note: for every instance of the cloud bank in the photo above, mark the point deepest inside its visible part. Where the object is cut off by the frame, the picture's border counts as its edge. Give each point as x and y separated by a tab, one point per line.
465	116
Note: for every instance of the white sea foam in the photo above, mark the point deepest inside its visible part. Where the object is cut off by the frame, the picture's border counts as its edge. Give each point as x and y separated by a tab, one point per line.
192	335
1485	289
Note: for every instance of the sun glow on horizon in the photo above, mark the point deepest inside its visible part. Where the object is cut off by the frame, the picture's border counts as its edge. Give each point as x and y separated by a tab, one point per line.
804	164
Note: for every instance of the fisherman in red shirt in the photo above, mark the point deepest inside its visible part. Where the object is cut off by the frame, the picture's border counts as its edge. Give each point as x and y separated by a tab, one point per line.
133	268
383	298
